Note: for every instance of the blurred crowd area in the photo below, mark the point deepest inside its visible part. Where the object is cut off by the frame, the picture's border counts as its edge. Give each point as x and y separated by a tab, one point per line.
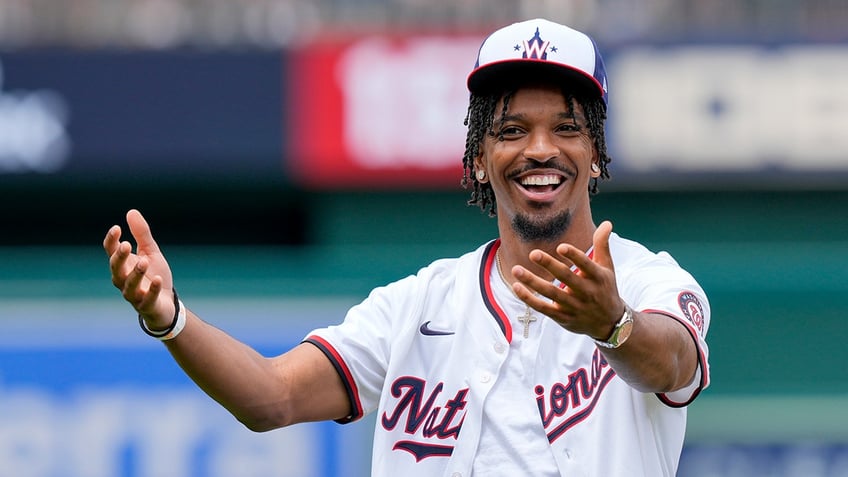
158	24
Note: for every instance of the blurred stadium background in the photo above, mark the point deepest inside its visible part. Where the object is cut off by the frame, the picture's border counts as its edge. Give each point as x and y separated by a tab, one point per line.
292	154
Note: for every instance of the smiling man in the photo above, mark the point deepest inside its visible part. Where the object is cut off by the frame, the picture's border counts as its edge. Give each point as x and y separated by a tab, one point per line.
558	348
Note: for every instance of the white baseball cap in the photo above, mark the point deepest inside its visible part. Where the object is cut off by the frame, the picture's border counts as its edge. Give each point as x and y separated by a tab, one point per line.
538	47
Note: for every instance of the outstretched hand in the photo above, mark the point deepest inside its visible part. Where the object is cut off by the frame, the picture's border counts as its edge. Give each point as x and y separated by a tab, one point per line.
144	277
587	301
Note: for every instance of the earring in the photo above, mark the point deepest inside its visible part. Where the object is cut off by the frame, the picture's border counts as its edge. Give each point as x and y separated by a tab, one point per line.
595	168
481	175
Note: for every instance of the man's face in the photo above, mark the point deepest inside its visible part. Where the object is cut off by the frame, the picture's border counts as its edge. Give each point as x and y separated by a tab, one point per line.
541	169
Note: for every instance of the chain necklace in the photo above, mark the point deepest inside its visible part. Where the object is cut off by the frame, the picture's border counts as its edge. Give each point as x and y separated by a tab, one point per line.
527	318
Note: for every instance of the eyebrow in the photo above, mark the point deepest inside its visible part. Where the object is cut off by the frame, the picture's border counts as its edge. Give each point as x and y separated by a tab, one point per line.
575	116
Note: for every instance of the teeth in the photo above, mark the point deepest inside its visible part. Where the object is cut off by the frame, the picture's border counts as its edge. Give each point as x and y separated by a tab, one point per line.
550	179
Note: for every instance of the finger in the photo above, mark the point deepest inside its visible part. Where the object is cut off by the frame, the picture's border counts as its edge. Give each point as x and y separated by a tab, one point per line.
583	267
122	253
140	229
561	309
600	259
148	300
533	289
111	240
570	278
132	285
555	266
600	240
118	261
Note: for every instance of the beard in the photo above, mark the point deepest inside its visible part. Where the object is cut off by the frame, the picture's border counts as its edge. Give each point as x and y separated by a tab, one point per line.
548	229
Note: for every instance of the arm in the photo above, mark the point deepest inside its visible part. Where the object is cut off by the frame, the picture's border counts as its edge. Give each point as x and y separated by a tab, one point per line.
660	355
263	393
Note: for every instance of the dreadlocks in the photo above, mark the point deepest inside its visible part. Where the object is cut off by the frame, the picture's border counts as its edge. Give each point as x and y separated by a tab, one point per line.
480	122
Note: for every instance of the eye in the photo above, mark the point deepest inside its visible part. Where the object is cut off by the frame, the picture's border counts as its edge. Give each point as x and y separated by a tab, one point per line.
510	131
569	127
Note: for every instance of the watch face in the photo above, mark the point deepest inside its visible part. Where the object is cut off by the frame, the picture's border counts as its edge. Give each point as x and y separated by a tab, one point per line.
624	332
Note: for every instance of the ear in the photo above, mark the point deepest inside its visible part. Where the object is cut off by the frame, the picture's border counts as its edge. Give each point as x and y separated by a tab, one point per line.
596	162
595	169
480	166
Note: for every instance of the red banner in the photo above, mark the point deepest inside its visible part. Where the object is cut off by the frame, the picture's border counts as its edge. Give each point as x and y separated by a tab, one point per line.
380	112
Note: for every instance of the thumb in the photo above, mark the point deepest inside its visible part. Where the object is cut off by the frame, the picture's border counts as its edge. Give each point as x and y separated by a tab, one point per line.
141	231
600	242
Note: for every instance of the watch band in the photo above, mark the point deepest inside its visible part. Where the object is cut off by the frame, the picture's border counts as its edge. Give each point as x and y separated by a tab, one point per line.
621	331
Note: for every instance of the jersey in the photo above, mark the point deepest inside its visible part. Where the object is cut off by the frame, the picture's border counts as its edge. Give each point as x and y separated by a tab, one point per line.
436	356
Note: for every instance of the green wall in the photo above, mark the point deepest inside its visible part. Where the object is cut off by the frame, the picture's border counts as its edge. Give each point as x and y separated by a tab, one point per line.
774	263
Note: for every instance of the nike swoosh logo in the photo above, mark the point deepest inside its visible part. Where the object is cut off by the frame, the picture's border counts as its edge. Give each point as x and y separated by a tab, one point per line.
427	331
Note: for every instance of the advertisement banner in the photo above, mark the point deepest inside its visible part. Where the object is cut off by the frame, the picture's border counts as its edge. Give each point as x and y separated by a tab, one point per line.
84	393
132	115
776	110
379	111
386	112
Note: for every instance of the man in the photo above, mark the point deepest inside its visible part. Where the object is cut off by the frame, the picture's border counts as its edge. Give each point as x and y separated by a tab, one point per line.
559	348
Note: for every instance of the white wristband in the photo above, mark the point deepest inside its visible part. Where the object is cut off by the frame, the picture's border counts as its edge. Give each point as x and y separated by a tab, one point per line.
176	326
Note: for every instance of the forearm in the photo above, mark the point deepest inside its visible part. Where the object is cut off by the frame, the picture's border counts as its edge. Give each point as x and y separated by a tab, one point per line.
232	373
263	393
660	355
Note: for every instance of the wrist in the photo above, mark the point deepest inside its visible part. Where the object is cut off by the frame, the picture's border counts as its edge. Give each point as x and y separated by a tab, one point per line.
620	332
176	326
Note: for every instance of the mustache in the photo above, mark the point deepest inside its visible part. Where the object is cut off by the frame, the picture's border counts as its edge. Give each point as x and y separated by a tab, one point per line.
533	166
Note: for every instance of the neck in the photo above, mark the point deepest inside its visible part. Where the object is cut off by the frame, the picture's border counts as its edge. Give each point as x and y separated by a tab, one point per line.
506	276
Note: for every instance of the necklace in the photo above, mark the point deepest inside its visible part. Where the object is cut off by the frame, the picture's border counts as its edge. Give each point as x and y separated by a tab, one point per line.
527	318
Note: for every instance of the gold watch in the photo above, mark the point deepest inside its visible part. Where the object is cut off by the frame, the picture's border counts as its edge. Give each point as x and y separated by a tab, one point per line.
621	331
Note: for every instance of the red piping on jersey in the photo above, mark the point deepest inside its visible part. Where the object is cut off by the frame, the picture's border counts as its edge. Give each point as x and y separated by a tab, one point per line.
702	360
344	373
489	256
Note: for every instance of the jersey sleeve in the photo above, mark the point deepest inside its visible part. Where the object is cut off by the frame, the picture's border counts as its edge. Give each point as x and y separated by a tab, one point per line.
360	346
659	285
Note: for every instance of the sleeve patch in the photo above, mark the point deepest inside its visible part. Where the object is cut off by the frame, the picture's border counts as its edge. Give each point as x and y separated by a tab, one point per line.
692	310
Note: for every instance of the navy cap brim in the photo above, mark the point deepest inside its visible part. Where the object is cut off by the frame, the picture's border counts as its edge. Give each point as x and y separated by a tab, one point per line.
506	75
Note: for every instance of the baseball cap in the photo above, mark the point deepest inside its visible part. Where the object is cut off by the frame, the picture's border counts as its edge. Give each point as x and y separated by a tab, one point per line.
538	48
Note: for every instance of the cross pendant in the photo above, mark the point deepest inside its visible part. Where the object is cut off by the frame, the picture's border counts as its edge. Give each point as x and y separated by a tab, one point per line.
525	320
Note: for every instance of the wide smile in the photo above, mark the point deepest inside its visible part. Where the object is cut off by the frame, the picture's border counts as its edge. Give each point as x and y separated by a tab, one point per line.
540	185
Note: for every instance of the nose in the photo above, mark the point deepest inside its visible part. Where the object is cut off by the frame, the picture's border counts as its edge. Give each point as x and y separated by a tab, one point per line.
540	147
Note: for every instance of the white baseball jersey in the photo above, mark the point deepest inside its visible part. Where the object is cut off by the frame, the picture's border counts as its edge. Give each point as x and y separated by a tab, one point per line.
460	391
